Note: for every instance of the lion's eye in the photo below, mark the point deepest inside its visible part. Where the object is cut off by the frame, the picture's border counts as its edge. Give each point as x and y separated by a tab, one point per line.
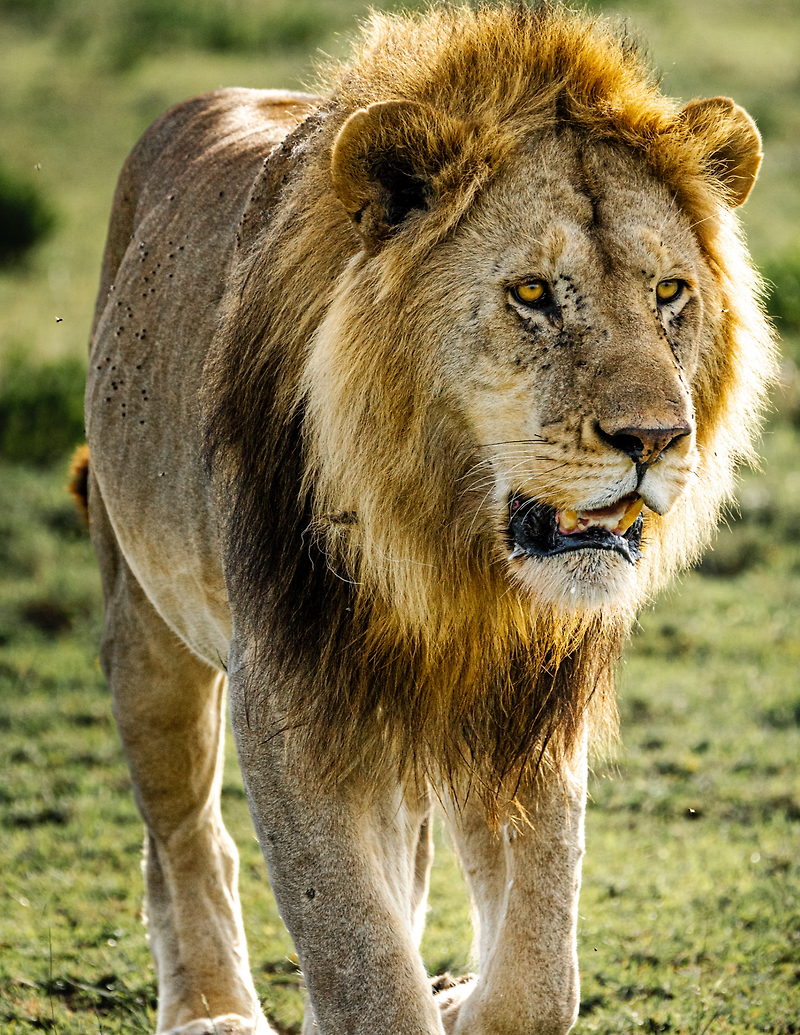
669	290
531	292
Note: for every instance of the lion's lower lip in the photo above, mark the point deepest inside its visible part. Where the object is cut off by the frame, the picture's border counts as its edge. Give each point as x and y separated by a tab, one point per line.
533	529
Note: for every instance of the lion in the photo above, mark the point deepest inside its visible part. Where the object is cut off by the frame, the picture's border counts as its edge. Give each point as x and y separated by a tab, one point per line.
402	400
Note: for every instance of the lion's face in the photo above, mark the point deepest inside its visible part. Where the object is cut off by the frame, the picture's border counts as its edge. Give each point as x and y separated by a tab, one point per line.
520	379
575	294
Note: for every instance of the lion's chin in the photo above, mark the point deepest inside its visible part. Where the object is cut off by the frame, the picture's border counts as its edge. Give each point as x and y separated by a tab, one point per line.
584	580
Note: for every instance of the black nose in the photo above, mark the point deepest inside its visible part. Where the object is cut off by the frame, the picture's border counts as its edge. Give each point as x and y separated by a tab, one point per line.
643	445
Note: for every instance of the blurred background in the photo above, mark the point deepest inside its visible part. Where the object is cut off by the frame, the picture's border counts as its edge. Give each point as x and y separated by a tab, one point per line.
689	917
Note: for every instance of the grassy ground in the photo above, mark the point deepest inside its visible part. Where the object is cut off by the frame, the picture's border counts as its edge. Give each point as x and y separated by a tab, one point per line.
691	902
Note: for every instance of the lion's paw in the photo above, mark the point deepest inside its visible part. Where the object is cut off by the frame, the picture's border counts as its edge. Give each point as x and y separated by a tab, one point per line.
227	1024
450	993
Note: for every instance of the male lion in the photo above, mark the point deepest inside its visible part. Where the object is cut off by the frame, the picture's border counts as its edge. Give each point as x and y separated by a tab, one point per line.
401	401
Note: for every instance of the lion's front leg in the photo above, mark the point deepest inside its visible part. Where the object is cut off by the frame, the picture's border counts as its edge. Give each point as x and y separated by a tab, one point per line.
169	708
524	881
348	866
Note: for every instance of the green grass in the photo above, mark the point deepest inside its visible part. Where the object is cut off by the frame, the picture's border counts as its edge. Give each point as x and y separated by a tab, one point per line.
691	901
692	883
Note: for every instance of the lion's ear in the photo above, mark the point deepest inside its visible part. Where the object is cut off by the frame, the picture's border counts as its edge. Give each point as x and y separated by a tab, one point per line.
385	161
734	142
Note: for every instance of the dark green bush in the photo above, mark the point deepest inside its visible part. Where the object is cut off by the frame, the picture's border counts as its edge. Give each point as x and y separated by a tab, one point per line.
37	13
133	29
783	302
25	218
126	31
41	409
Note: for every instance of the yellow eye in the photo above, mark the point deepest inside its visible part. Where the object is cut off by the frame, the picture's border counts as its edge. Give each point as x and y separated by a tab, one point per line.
531	292
668	290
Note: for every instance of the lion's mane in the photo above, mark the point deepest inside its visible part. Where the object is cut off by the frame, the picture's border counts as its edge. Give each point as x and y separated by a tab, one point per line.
382	603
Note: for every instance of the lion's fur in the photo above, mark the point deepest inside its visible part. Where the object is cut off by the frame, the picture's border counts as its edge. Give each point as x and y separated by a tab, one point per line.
409	606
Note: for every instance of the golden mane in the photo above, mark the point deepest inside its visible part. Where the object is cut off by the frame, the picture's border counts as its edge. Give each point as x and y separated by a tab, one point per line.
319	398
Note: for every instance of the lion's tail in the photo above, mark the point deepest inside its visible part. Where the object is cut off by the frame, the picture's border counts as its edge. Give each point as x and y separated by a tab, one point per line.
79	481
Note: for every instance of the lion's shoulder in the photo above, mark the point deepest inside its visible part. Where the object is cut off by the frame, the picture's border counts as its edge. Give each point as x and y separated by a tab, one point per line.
191	135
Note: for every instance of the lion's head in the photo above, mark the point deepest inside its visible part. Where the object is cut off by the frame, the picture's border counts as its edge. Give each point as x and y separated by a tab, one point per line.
505	302
547	352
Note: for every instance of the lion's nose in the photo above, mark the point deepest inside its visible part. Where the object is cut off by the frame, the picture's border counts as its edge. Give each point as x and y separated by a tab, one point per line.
644	445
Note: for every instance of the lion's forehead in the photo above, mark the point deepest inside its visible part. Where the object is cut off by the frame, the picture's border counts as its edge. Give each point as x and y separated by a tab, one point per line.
595	213
602	232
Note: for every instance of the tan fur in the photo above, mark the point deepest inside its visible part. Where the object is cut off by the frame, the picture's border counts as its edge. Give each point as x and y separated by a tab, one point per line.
314	395
78	485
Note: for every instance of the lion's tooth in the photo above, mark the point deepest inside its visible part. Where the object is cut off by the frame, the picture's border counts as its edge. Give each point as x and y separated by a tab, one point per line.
516	552
630	515
615	518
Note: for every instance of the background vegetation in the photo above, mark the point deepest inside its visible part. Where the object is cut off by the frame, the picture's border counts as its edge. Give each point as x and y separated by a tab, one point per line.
689	914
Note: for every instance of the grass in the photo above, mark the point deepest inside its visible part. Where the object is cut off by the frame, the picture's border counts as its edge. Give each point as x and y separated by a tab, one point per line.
690	906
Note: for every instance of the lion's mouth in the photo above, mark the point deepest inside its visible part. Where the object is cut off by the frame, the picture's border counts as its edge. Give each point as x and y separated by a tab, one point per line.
539	530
